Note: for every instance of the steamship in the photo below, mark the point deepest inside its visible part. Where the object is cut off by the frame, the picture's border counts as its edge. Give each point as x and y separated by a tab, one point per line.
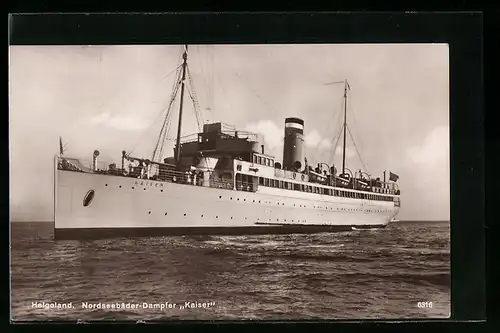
217	181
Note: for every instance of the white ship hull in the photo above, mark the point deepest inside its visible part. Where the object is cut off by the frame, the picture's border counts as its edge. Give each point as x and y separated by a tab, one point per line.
135	207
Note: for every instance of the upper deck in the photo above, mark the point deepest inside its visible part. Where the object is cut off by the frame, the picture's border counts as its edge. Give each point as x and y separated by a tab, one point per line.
240	176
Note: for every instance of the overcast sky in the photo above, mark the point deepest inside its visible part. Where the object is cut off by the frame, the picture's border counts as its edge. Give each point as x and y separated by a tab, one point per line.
111	98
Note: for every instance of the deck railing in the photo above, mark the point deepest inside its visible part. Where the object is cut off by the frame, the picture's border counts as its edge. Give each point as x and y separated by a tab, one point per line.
162	173
156	174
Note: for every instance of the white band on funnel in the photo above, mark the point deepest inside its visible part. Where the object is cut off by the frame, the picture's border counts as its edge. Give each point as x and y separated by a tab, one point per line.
294	125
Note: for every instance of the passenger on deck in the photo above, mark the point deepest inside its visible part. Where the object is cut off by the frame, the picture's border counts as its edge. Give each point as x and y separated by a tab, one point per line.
195	177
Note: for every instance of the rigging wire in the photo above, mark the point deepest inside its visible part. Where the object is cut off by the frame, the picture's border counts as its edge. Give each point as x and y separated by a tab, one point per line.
223	88
194	98
211	84
163	132
351	109
195	108
175	87
336	138
336	116
162	110
254	91
355	146
334	150
116	93
168	122
203	77
161	138
207	77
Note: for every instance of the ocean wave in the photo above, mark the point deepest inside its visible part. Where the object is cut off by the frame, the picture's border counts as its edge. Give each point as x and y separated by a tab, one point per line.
437	279
329	275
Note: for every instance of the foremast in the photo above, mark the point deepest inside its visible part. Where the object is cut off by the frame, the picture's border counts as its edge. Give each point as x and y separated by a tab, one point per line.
179	126
346	86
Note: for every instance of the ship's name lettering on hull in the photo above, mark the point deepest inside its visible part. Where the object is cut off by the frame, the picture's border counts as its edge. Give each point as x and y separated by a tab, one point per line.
152	184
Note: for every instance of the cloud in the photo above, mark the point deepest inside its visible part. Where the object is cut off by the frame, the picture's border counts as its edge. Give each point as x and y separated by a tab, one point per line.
348	152
428	166
125	123
272	136
434	150
313	139
271	133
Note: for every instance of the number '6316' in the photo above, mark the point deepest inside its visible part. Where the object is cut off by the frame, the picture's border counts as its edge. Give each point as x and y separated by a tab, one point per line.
424	305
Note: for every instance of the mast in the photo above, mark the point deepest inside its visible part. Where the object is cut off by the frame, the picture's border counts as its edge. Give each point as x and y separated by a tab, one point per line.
184	65
345	124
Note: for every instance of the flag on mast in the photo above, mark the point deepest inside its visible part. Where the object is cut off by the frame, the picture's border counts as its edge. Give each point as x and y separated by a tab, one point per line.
393	177
61	150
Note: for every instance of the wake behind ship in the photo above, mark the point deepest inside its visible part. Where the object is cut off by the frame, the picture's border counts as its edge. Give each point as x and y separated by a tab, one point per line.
219	181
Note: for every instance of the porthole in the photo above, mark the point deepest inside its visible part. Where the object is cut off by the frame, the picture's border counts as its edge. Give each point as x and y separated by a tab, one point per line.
144	189
216	217
161	190
231	217
87	199
120	186
149	212
220	196
166	214
105	184
201	215
133	187
184	214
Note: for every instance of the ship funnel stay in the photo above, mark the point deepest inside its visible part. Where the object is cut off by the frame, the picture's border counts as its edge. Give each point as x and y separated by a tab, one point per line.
293	142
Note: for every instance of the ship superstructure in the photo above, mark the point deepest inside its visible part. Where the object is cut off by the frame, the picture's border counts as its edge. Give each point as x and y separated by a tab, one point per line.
218	181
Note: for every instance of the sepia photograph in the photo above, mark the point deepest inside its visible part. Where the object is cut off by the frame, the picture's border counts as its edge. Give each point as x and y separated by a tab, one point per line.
229	182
